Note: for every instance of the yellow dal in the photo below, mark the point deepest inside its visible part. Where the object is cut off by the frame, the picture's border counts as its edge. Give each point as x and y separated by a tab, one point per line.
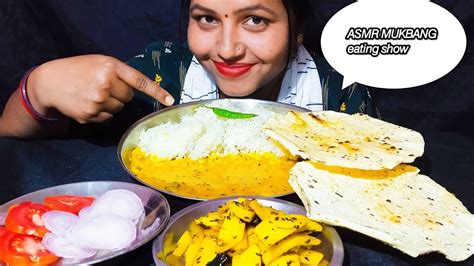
254	174
367	174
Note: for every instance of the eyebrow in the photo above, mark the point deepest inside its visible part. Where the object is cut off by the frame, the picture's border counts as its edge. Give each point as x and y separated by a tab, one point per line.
202	8
256	7
242	10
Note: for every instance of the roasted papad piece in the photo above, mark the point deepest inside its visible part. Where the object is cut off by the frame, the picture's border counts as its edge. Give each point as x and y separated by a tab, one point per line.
353	141
400	207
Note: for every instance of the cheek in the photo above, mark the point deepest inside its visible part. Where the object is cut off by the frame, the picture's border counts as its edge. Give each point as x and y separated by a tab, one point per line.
198	41
270	48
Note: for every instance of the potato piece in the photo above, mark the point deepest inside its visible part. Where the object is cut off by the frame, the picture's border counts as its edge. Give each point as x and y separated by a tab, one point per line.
168	247
324	263
182	244
173	260
231	232
242	245
241	211
296	221
249	230
214	232
269	234
212	219
232	229
263	212
207	251
223	209
193	248
312	226
243	201
195	228
278	227
255	240
245	243
310	257
287	260
290	242
251	256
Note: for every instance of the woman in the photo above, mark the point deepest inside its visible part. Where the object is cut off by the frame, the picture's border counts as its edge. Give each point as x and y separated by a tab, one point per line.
248	48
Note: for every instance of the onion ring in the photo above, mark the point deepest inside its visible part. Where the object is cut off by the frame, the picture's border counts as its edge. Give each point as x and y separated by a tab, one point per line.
118	201
107	231
61	247
59	222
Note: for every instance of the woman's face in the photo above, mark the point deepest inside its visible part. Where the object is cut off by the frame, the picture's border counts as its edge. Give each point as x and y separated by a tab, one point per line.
243	44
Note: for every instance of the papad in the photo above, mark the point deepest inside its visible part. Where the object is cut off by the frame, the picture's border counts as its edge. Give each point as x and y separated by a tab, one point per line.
408	211
352	141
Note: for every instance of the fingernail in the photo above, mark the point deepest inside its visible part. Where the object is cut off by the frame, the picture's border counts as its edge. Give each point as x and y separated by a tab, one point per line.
169	100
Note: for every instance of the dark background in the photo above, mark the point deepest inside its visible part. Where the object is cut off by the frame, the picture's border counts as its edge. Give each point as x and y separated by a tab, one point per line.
32	32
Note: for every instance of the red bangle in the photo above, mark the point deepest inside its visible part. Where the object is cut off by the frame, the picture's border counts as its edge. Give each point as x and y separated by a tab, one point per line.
25	101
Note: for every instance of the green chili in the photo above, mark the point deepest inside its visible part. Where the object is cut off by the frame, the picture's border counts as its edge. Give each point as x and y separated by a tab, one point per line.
230	114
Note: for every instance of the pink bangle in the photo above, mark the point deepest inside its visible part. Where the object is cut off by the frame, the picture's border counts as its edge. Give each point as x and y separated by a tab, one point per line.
25	101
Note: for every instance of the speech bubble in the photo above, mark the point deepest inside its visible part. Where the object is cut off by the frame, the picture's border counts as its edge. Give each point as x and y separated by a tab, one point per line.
393	44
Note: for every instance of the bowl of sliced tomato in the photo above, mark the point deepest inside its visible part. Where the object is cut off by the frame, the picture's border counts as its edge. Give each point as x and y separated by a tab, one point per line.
80	223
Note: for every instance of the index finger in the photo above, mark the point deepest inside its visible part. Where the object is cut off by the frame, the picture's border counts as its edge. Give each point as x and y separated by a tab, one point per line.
139	81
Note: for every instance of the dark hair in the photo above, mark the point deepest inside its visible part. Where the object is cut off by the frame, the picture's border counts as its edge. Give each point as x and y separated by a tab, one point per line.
299	13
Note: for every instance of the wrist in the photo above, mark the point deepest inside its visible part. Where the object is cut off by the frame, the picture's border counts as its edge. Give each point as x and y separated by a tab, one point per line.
36	95
29	98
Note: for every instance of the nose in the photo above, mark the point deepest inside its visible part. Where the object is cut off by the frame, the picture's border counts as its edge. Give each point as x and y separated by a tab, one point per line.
229	46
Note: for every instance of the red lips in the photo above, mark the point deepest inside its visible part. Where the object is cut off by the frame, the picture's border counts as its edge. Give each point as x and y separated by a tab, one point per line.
232	70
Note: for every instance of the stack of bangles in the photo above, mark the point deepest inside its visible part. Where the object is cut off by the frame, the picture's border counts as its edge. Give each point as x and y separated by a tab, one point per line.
25	101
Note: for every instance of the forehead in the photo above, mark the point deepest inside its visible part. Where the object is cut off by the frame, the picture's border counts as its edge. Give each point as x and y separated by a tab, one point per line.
232	6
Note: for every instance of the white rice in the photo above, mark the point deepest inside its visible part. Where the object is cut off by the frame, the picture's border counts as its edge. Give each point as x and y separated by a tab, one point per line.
204	132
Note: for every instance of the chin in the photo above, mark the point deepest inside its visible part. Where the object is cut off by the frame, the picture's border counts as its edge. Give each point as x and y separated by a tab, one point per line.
234	92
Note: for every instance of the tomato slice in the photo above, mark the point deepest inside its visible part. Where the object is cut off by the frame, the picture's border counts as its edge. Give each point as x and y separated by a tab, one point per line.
26	218
3	231
24	250
68	203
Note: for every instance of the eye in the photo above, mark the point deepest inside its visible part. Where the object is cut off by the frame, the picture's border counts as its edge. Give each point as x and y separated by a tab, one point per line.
206	20
256	22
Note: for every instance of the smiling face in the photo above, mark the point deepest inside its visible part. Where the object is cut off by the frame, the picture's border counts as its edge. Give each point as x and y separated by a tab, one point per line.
243	44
